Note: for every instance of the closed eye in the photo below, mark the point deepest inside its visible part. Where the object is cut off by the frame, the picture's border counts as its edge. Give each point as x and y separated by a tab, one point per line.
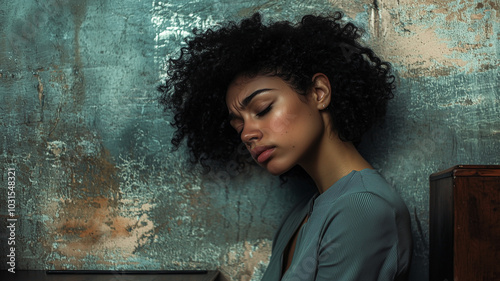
265	111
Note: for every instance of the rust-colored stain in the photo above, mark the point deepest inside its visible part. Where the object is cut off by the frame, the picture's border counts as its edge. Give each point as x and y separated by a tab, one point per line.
91	217
91	220
92	226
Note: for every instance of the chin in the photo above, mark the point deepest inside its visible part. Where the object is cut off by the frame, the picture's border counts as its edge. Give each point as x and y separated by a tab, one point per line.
275	173
276	170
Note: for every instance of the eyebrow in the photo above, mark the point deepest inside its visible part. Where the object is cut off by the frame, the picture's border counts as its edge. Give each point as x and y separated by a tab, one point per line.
248	99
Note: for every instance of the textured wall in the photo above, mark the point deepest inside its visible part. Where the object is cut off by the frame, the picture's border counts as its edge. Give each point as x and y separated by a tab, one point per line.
96	184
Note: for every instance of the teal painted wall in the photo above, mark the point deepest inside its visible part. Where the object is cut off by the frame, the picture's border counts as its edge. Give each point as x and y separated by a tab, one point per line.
96	184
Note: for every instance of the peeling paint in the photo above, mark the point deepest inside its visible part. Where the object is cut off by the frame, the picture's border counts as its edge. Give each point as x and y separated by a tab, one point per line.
40	91
248	261
57	148
419	37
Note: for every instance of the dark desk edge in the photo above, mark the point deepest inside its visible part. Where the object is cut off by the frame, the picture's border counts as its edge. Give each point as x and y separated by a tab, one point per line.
180	272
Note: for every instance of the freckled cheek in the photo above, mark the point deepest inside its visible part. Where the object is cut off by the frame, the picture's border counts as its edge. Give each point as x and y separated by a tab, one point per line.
281	122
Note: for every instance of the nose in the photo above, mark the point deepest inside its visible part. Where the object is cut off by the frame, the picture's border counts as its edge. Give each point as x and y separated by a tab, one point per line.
251	133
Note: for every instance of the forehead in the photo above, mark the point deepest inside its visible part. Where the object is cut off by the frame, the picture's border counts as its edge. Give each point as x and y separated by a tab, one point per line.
242	86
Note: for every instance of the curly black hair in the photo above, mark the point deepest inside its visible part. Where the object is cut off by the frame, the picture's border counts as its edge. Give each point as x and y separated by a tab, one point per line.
198	79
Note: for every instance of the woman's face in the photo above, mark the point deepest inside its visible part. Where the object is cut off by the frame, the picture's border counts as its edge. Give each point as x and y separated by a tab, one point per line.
278	126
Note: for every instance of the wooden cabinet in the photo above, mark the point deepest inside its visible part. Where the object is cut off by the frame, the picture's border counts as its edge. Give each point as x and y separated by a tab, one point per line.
464	230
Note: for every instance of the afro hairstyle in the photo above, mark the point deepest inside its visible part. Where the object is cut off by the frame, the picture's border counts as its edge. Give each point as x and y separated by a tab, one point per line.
198	79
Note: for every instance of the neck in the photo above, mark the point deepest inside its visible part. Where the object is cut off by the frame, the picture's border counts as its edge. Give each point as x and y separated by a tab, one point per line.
331	160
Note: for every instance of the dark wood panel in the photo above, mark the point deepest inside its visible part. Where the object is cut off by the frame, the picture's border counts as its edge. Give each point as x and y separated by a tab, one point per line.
477	230
464	225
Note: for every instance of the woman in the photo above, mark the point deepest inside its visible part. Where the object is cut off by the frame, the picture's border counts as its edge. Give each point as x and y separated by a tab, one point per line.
298	96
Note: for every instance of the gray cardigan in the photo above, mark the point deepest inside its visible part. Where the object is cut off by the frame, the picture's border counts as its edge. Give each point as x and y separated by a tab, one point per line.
358	229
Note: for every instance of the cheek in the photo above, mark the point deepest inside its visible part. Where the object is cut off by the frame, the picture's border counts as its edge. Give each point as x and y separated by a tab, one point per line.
282	121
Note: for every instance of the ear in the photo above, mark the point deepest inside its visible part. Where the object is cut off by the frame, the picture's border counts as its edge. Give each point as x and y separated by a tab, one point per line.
321	91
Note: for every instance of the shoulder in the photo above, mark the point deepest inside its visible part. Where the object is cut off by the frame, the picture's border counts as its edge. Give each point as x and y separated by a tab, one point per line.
365	202
363	211
369	192
369	214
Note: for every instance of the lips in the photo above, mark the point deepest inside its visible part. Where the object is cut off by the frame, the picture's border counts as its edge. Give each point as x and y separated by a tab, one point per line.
262	153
